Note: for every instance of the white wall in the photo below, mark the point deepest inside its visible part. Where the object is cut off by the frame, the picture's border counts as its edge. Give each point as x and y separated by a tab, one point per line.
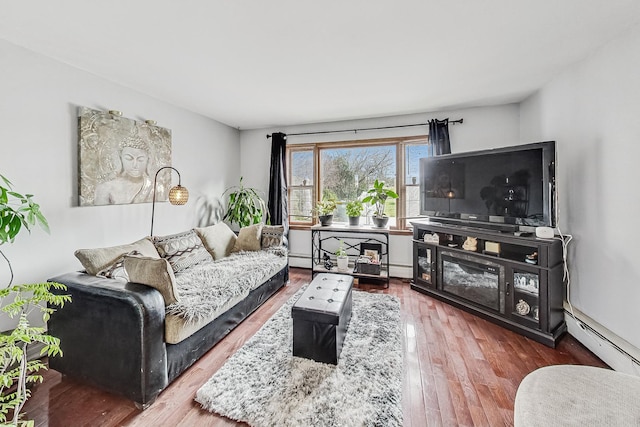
487	127
38	140
592	111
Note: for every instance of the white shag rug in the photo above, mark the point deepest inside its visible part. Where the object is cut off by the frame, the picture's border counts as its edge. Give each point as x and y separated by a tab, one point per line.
262	384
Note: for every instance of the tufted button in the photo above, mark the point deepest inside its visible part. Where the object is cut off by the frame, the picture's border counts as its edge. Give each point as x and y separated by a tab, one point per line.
335	289
311	297
329	300
319	287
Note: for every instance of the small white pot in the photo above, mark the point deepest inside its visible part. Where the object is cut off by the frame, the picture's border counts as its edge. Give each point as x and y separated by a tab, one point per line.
343	263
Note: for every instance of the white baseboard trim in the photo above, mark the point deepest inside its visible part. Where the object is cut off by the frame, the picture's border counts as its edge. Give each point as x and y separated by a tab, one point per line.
616	352
395	270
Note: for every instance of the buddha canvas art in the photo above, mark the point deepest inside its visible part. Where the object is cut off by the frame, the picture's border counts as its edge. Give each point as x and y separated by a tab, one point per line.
119	158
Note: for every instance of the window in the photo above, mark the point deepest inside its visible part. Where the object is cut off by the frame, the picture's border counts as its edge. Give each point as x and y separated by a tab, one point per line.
344	171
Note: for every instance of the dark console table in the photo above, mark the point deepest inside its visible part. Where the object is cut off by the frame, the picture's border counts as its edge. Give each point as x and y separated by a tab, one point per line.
353	237
514	281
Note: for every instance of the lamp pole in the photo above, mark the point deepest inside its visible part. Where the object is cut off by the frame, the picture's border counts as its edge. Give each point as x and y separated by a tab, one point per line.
178	195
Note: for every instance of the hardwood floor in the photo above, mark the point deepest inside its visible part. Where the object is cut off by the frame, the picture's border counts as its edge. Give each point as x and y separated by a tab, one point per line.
458	370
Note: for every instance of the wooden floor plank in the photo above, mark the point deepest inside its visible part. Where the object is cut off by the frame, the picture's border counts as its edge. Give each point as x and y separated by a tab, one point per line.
459	369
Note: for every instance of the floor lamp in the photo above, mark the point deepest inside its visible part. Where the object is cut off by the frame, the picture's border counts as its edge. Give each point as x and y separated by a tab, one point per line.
178	195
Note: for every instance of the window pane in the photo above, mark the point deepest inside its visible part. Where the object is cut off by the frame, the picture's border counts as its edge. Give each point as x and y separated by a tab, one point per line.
413	153
301	168
301	185
347	173
300	203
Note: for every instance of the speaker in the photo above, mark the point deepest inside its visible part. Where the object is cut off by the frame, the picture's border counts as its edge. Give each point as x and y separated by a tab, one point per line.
544	232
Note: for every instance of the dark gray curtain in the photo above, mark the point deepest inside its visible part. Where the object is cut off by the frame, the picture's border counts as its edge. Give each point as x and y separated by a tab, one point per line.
277	204
439	137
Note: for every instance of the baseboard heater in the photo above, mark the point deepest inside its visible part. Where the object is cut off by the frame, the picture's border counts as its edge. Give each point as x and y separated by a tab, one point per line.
585	326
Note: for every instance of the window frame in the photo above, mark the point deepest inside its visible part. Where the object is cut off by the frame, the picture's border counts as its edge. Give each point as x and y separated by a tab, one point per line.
400	144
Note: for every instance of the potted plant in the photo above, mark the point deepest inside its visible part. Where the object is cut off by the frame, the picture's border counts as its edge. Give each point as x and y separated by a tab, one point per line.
378	195
324	210
343	259
245	206
19	212
354	209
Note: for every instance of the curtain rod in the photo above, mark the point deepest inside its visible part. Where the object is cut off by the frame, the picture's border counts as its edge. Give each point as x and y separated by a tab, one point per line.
453	122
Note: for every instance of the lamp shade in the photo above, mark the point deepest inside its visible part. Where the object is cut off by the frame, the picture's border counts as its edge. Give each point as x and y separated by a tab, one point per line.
178	195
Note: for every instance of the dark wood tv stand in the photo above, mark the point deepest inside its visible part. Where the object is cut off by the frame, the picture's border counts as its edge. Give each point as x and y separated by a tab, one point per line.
517	283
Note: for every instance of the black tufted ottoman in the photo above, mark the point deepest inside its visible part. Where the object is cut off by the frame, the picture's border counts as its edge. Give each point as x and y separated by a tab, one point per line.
321	317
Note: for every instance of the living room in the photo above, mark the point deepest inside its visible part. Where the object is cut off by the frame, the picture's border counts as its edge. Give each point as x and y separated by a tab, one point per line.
586	102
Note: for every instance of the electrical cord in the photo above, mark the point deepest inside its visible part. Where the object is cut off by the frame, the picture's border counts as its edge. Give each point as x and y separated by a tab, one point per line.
565	239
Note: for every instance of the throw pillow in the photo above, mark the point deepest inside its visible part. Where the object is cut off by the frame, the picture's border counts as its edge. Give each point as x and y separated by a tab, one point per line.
249	238
182	250
272	235
117	271
154	272
98	259
218	239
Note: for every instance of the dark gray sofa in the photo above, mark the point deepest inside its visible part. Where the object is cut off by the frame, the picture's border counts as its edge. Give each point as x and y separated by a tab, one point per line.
112	334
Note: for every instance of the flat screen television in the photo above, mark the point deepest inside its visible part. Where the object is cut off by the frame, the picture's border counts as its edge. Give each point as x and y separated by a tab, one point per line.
504	188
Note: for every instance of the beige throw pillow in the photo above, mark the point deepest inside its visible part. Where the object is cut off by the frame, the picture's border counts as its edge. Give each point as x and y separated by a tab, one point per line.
154	272
272	235
98	259
116	270
182	250
249	238
219	239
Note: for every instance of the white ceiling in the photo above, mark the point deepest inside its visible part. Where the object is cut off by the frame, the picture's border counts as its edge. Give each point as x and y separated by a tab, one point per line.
253	64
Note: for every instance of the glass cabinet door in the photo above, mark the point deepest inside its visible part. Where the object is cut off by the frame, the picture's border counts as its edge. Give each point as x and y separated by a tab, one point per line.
525	301
424	259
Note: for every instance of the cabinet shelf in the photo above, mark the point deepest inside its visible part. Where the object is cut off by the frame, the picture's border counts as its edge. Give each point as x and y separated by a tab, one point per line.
382	276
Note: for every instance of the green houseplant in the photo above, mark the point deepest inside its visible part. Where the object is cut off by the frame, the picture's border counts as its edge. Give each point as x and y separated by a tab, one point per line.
378	195
324	209
342	257
245	206
354	209
19	212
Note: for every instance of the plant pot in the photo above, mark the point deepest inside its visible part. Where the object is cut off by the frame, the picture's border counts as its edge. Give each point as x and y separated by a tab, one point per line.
379	221
343	263
354	220
325	219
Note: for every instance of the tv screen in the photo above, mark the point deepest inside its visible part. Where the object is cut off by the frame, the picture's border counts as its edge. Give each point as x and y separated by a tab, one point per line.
504	188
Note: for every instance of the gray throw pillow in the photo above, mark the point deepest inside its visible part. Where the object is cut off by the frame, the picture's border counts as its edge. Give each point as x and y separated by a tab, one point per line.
272	235
182	250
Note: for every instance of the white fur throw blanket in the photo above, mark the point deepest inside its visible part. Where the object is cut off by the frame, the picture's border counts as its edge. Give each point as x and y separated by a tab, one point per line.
204	288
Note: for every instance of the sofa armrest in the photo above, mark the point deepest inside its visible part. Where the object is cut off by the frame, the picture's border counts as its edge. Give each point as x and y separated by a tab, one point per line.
112	336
